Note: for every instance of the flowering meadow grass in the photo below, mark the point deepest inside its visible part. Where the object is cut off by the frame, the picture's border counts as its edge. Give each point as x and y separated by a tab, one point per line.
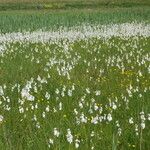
86	87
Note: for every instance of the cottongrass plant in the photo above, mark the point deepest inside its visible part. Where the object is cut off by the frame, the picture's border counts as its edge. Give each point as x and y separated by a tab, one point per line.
84	88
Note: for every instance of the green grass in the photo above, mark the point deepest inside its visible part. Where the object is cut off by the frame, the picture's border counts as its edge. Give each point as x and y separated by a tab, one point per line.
35	15
115	67
70	4
34	20
19	65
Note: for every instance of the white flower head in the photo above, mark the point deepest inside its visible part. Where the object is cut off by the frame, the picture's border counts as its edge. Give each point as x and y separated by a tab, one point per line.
77	142
1	91
92	133
148	117
1	118
47	109
88	91
57	91
69	93
69	136
131	121
95	120
119	131
56	132
50	142
43	114
114	106
143	125
109	117
97	93
47	95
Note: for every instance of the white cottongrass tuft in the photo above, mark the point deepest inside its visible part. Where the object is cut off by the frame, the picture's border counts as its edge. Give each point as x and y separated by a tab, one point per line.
69	136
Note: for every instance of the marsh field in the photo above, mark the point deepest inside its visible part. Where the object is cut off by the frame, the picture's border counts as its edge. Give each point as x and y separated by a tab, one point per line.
75	75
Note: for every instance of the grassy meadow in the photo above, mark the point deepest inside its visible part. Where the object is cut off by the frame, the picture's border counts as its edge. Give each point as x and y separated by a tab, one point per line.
69	4
74	75
15	21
